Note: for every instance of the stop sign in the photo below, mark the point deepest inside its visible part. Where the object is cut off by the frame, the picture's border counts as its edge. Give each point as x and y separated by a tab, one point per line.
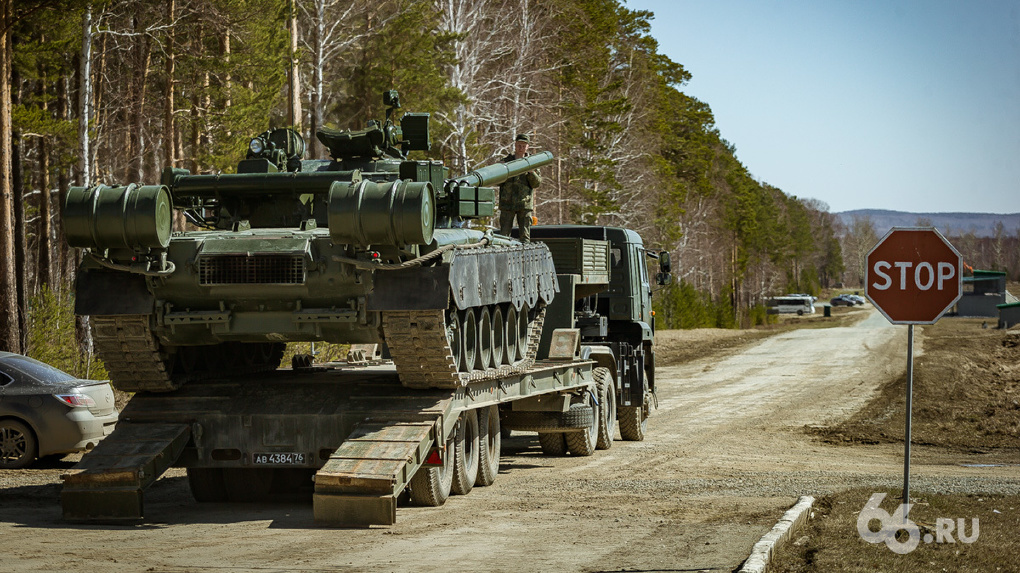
913	275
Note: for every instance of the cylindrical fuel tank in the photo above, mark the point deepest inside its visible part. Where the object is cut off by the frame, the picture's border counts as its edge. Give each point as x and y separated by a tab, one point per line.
384	213
121	217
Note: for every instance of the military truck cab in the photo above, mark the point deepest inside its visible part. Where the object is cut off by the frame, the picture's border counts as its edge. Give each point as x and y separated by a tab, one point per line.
620	319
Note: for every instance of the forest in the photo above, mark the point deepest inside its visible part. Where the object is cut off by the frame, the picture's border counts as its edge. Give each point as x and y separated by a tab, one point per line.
115	91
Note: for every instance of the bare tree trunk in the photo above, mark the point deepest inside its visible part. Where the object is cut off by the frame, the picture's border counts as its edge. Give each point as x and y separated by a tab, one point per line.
294	110
195	131
10	335
62	264
169	139
85	98
137	121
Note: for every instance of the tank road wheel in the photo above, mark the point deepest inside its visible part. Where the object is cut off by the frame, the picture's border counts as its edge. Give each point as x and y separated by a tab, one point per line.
18	446
430	486
582	442
484	339
607	407
453	337
634	422
553	443
523	320
207	485
465	462
490	443
498	336
469	332
511	335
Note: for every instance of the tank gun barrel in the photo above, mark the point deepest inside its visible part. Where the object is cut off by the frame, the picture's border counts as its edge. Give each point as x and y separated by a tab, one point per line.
498	173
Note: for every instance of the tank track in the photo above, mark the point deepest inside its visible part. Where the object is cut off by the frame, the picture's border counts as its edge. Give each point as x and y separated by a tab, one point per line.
421	352
137	362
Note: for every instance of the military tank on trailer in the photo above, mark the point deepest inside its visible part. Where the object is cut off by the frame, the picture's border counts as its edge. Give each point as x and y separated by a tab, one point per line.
367	247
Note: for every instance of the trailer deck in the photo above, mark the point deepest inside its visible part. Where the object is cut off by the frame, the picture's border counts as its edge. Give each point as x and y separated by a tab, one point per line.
364	433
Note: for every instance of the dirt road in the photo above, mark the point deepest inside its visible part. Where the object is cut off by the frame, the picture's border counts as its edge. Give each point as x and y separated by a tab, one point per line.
725	456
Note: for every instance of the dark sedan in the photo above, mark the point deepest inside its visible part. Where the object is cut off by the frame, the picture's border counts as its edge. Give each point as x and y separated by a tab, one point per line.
46	411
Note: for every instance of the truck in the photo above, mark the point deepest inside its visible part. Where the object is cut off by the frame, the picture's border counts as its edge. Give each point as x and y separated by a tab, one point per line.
458	335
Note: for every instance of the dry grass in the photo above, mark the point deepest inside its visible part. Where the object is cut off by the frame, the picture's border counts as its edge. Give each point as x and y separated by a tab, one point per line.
830	541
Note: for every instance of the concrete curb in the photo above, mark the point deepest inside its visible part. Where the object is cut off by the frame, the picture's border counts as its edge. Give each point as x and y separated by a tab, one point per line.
782	531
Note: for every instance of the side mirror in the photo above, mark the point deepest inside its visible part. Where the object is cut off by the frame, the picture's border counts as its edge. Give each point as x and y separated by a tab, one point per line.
663	279
664	262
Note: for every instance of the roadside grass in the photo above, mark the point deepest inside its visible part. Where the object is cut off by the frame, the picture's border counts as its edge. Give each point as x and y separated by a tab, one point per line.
830	541
966	394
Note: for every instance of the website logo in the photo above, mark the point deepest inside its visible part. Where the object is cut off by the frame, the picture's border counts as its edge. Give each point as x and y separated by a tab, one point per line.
911	537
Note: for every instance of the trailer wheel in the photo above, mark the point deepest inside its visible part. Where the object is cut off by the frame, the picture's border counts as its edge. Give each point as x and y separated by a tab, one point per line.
465	461
553	443
207	485
430	486
634	422
582	442
607	407
491	442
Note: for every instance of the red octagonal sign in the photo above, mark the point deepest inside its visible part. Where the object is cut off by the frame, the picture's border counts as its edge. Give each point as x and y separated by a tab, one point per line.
914	275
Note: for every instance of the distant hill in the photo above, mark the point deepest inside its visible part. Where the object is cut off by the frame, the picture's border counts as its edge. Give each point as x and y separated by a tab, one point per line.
981	224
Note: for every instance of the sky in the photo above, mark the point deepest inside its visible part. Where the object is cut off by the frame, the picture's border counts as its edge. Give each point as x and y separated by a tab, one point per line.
867	104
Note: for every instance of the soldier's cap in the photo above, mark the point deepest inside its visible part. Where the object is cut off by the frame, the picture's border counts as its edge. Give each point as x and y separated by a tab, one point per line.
523	137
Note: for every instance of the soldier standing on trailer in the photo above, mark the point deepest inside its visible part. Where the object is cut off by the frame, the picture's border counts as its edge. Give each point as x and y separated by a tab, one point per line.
517	194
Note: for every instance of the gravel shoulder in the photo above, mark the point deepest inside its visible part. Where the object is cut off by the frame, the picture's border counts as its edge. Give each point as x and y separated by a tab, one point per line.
725	456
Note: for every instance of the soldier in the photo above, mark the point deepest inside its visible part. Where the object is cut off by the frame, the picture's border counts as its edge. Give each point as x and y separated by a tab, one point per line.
516	195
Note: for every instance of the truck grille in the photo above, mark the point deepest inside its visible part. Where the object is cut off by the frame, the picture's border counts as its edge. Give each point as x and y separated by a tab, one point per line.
251	269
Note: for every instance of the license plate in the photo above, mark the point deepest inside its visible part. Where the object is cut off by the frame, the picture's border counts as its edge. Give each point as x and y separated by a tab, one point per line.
279	459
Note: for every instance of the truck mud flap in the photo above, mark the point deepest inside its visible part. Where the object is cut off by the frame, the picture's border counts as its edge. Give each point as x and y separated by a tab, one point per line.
107	483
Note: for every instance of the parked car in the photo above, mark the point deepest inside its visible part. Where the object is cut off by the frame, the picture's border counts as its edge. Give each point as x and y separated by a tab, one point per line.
858	299
44	411
842	300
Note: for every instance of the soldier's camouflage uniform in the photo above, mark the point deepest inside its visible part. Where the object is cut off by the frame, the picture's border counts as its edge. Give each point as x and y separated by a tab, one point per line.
516	199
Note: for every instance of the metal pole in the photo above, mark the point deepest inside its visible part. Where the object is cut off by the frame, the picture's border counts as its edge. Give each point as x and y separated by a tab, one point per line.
910	391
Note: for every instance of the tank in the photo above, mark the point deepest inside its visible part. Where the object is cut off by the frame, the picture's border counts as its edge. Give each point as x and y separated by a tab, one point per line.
367	247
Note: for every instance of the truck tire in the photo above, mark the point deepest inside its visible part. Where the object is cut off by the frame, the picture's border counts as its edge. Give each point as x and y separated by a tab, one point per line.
207	485
491	443
582	442
553	443
430	486
634	422
18	446
607	407
465	461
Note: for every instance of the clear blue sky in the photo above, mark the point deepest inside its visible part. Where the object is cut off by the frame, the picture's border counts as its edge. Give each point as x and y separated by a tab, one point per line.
895	104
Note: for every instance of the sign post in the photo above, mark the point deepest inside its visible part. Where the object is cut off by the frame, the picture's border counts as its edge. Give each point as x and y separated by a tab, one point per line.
913	276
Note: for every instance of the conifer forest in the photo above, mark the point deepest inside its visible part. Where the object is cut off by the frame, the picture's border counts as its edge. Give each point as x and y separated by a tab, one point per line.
115	91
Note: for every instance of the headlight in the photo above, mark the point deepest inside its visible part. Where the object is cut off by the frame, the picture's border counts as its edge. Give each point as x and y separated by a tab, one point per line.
257	146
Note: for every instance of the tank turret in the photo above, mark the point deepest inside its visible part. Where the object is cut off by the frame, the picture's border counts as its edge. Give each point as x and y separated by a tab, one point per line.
367	247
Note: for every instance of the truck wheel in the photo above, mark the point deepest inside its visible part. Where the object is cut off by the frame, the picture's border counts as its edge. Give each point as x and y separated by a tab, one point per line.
465	461
207	485
430	486
553	443
607	407
633	423
491	442
18	446
582	443
247	484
